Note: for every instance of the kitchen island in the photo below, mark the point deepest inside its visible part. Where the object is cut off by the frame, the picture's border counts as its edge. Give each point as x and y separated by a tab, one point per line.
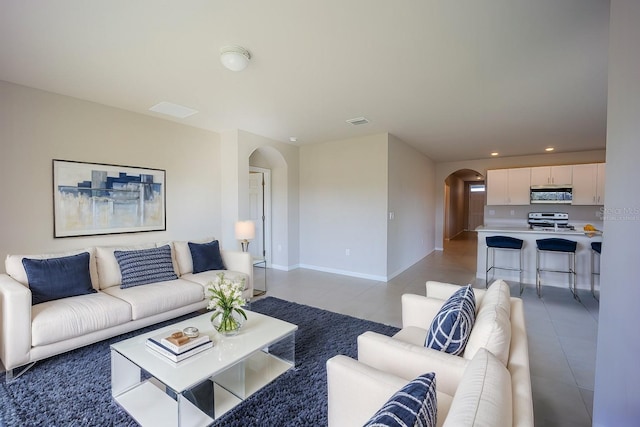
555	261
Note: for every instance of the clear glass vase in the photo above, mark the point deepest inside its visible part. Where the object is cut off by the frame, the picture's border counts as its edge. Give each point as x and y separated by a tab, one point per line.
227	323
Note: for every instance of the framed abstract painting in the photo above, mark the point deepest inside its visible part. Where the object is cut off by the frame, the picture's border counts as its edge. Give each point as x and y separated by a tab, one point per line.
92	198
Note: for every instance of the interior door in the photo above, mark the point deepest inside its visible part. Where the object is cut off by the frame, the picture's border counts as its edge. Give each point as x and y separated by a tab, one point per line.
256	213
476	209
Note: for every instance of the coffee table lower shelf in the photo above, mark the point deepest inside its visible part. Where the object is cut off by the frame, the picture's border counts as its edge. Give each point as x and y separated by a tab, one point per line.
149	403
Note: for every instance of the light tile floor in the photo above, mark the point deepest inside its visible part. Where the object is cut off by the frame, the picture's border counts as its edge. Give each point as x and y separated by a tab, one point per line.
561	331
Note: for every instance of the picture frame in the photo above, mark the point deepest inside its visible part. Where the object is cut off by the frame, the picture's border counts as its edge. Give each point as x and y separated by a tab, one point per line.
94	198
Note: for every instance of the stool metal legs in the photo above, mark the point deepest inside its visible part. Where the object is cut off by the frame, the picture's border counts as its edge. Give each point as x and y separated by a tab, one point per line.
593	273
493	266
571	271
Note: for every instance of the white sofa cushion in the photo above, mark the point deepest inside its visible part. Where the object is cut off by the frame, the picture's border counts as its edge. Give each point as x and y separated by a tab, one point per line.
107	265
159	297
15	269
72	317
492	330
498	294
483	397
208	276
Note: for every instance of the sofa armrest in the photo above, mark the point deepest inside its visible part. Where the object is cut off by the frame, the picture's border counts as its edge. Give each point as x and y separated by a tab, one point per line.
518	366
419	311
356	391
241	262
15	322
409	361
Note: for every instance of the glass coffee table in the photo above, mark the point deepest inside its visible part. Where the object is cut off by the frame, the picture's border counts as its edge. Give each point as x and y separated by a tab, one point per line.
156	391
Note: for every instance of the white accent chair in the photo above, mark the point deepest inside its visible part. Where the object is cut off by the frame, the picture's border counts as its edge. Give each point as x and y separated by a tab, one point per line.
499	328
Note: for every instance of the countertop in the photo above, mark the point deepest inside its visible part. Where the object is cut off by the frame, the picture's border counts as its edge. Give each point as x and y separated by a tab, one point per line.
512	229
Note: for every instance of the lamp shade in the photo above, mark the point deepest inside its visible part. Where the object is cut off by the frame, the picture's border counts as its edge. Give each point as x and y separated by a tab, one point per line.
245	230
234	58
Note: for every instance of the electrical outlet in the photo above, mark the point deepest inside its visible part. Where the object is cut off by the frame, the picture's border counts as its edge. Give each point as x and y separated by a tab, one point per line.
513	212
492	212
347	252
279	248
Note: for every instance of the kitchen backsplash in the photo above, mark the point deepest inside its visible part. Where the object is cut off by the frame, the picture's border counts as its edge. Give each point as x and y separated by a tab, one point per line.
516	216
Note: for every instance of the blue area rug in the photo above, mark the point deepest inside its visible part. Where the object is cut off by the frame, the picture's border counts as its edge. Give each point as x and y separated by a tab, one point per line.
74	388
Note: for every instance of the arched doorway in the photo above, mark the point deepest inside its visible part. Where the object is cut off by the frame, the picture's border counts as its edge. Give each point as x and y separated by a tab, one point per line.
268	204
464	201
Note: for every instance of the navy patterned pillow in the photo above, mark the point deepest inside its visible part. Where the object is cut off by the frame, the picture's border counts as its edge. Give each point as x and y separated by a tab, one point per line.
145	266
414	405
451	328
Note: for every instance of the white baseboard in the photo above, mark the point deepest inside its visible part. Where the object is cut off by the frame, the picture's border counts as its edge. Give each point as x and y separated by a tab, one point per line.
285	267
345	273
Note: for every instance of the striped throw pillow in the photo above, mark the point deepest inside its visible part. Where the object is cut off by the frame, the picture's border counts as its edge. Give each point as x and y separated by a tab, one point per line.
145	266
451	328
414	405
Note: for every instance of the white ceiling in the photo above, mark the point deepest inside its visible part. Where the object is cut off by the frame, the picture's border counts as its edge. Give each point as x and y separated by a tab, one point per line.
456	79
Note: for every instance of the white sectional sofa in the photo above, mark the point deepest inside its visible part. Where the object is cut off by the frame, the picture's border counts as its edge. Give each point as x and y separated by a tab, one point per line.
29	333
356	389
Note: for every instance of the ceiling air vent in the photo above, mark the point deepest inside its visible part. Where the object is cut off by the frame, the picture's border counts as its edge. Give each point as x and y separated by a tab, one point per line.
358	121
171	109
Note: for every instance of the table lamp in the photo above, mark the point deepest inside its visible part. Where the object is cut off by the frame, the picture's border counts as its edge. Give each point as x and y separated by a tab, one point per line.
245	231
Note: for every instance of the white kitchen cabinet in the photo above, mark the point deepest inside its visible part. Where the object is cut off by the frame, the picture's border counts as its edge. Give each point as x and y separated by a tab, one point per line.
601	181
551	175
588	184
508	186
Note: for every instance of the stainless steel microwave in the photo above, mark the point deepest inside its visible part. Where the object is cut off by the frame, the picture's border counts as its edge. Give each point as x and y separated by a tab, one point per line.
545	194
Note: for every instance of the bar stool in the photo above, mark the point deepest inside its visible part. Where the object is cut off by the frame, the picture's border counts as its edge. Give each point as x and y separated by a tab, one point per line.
502	243
596	247
555	245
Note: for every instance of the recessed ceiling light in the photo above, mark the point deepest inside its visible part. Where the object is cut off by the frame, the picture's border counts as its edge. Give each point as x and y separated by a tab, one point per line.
549	149
293	139
174	110
495	153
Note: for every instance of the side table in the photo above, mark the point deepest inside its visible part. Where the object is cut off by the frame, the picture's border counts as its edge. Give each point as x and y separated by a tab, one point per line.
260	263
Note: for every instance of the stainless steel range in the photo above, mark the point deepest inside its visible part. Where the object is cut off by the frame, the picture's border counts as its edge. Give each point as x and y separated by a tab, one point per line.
549	221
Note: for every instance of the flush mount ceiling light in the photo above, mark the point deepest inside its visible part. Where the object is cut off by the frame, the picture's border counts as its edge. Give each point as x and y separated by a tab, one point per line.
495	153
234	58
549	149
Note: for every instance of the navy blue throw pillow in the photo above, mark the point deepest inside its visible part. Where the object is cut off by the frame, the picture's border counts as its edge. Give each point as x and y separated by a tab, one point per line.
145	266
414	405
55	278
206	256
451	328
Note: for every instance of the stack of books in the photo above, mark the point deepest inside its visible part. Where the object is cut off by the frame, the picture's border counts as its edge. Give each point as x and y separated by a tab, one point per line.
177	346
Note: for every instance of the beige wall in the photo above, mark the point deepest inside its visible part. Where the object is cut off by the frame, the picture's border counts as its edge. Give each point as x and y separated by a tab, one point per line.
617	382
348	189
343	205
412	200
37	126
